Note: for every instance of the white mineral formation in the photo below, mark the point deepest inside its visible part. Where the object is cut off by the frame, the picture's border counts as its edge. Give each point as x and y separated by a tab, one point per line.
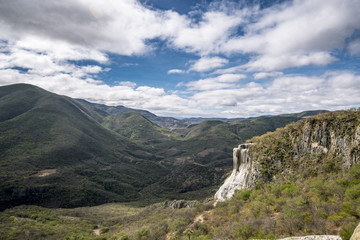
356	234
242	175
314	237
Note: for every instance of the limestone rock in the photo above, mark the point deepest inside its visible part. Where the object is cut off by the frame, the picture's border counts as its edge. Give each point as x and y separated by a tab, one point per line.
177	204
244	173
318	137
314	237
356	234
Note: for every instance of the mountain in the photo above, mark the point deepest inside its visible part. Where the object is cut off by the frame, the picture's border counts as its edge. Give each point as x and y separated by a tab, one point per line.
303	179
58	152
165	122
198	156
54	152
137	128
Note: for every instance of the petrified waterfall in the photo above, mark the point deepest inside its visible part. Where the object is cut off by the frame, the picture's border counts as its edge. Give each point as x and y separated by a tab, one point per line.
242	176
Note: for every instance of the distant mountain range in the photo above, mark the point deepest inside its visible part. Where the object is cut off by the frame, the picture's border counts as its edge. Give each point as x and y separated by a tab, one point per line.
165	122
59	152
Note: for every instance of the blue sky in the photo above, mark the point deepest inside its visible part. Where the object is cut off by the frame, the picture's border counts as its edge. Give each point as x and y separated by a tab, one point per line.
187	58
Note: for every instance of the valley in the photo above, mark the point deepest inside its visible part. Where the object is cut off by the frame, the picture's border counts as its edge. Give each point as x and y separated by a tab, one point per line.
70	170
99	157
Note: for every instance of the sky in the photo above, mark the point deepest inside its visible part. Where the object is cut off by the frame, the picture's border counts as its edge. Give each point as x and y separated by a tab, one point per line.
187	58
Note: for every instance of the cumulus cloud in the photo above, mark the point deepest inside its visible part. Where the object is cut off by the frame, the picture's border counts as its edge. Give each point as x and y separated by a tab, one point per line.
297	33
219	82
127	84
287	93
175	71
205	64
354	47
206	36
271	63
121	27
262	75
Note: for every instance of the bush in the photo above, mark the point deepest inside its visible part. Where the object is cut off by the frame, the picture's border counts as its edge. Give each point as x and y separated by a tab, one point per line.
125	238
352	198
347	231
244	232
289	190
245	195
142	234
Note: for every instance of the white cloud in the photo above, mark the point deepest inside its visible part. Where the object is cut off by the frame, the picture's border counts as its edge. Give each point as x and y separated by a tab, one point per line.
354	47
205	64
121	27
207	35
298	33
288	93
219	82
271	63
175	71
127	84
262	75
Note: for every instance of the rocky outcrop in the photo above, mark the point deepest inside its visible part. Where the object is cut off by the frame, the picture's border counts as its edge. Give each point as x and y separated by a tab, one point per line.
334	135
177	204
244	173
321	137
356	234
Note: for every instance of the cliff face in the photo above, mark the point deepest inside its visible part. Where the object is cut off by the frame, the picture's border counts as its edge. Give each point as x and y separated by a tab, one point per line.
323	137
244	173
307	146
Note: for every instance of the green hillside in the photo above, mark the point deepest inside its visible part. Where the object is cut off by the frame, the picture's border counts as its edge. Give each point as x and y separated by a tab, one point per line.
137	128
165	122
57	152
88	164
201	157
309	193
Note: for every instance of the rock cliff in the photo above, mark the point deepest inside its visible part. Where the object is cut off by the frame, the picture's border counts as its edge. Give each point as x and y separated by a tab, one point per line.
308	145
314	237
336	138
244	173
356	234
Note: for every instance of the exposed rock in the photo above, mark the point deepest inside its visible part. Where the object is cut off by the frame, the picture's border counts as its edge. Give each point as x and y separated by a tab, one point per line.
314	237
44	173
329	135
318	137
244	173
356	234
177	204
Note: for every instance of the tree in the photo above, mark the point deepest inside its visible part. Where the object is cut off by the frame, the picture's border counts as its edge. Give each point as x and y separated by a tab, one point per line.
188	232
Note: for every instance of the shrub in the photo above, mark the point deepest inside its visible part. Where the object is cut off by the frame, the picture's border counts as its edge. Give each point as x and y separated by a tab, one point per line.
347	231
245	195
125	238
244	232
142	234
104	230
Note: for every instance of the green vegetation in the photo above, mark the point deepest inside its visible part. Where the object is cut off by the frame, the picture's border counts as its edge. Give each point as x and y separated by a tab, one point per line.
290	206
66	157
56	152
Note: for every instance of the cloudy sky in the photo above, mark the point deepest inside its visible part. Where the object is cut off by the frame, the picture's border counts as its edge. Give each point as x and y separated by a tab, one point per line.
183	58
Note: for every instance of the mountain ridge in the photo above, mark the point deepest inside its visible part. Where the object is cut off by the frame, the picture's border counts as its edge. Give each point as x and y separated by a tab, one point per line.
301	190
53	146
